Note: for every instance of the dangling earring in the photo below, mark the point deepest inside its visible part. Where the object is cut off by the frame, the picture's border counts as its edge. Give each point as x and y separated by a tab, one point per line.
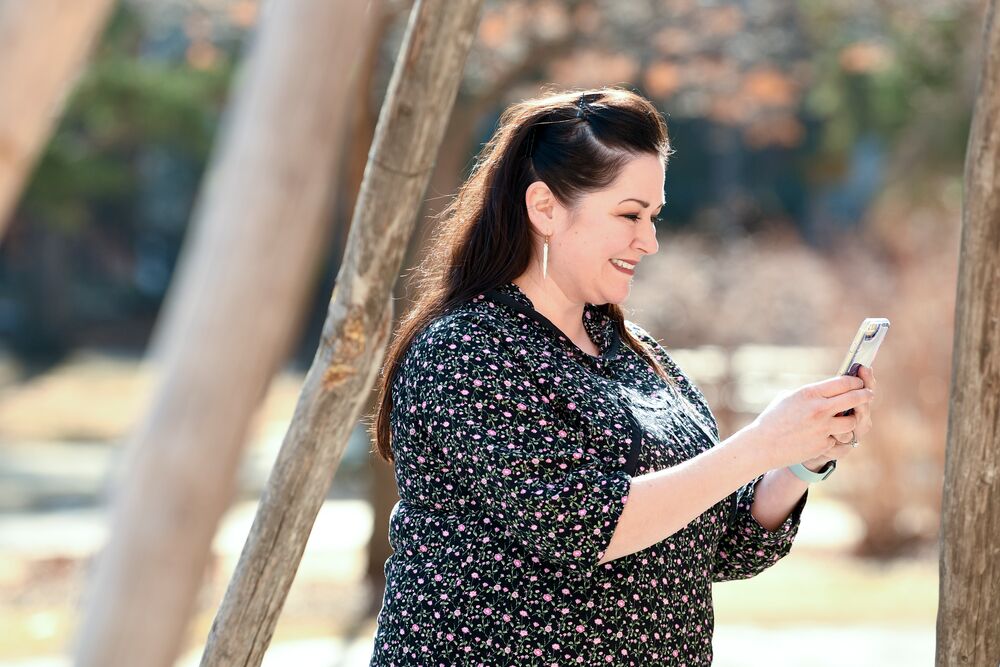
545	259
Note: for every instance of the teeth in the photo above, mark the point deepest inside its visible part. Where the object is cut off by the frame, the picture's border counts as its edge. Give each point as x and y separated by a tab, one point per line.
623	264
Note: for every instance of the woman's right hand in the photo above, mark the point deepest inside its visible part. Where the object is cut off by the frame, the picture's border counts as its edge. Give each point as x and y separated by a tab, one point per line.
798	425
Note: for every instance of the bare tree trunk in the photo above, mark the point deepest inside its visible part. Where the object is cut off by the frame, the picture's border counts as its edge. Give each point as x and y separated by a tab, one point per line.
409	132
228	324
45	45
968	622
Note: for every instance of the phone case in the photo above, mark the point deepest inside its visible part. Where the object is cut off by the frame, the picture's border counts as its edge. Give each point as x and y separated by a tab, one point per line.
862	352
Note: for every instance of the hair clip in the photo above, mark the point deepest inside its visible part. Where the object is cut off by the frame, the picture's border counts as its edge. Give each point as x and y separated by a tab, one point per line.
581	111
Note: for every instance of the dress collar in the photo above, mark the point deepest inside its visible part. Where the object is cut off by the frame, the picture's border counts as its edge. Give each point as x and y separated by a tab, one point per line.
598	325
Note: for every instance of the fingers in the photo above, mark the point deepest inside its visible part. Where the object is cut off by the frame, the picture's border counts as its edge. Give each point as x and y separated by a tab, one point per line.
866	374
850	399
838	385
844	424
860	422
863	413
838	451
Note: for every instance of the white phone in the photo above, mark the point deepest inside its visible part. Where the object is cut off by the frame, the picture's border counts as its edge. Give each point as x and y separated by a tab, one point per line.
862	352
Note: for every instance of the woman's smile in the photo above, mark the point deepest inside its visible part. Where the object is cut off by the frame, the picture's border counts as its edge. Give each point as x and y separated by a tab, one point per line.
619	264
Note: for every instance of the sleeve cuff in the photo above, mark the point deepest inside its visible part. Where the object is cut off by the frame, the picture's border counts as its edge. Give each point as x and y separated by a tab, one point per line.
772	538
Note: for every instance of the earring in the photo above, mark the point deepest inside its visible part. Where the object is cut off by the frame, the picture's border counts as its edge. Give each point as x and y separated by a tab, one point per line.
545	258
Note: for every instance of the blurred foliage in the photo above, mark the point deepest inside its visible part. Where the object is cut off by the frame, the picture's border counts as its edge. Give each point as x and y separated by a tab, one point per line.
880	68
93	242
123	103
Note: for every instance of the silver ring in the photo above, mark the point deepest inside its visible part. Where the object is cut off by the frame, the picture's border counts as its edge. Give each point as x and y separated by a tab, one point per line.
854	440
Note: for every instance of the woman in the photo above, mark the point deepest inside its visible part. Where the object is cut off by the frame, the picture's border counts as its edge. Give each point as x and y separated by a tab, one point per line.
564	497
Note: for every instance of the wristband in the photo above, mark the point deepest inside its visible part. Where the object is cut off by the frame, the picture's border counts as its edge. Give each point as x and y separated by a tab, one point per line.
807	475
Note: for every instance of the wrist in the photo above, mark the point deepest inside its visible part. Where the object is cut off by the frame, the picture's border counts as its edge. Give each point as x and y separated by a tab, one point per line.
750	446
816	464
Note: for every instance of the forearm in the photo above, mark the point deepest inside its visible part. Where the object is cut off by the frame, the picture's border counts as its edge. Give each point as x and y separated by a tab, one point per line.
663	502
775	496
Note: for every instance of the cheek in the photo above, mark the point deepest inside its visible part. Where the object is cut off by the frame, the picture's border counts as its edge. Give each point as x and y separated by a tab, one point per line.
586	245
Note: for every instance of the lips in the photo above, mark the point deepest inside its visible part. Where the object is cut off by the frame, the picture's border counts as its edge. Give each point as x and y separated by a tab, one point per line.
630	272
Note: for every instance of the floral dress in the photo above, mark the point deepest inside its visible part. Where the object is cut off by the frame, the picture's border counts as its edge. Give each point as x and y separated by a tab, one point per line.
514	453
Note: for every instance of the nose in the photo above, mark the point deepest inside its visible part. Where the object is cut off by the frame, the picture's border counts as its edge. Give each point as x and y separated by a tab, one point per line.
646	238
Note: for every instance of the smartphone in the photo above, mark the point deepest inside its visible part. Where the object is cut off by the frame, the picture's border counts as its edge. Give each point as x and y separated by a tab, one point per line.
862	351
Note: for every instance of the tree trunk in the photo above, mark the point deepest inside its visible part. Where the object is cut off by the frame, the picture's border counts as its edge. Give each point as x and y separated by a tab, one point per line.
968	622
45	45
228	325
409	132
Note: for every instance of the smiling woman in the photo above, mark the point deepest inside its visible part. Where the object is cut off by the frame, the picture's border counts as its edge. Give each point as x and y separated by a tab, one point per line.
562	497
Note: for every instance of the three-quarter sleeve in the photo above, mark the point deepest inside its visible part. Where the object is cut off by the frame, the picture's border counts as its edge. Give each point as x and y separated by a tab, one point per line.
746	548
525	467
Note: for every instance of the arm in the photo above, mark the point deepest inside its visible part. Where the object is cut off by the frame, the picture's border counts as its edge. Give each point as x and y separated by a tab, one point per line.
777	494
687	490
762	527
765	511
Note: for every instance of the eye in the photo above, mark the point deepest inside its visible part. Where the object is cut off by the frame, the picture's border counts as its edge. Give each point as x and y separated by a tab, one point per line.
634	217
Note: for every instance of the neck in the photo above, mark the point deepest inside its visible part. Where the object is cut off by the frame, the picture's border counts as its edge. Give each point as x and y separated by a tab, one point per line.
549	300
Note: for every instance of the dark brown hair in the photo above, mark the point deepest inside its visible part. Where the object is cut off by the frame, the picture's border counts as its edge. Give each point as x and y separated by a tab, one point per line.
576	142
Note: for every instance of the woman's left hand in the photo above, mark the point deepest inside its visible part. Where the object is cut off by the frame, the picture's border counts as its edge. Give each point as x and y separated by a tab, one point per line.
864	414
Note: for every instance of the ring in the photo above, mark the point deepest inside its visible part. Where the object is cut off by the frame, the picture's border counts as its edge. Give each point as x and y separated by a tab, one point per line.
853	442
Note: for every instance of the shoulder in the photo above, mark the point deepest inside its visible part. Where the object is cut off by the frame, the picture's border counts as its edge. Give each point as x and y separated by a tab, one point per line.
687	387
656	348
641	334
460	328
457	340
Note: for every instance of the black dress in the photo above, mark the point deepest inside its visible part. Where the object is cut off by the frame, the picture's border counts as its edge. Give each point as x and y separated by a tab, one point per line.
514	453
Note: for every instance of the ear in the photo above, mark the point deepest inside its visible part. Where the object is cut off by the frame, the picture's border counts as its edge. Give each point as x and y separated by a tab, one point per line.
542	207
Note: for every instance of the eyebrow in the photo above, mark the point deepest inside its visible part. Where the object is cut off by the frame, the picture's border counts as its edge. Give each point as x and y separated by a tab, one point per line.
645	204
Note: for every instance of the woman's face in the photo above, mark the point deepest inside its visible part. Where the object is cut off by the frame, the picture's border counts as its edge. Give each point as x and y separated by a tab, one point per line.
615	223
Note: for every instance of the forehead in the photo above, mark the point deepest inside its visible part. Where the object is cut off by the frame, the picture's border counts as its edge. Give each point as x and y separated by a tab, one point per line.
641	178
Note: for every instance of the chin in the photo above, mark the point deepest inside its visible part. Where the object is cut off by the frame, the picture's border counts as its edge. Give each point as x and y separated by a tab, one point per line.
617	295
